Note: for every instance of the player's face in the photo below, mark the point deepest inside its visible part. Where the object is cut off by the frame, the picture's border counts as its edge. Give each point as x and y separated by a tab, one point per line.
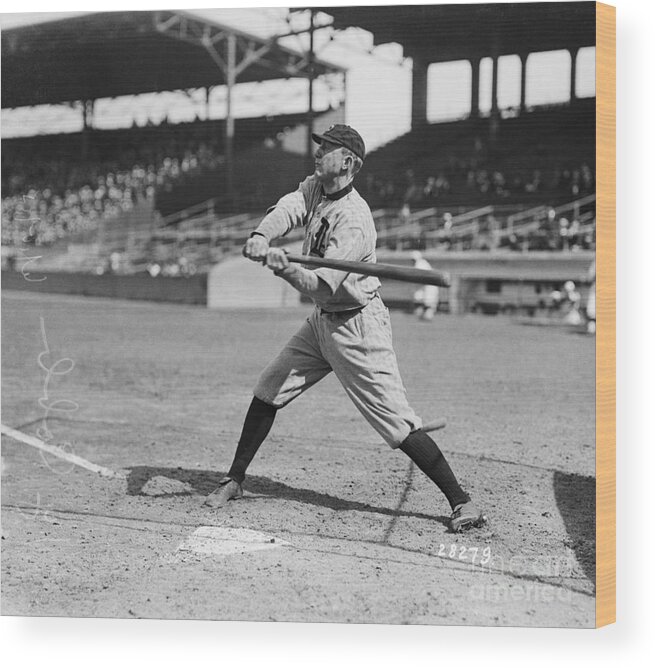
329	161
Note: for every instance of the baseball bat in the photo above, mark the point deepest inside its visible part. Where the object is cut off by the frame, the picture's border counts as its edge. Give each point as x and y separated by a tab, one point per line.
392	271
434	425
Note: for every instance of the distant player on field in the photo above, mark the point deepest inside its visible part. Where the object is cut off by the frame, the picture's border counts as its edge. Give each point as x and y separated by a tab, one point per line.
426	298
349	330
590	310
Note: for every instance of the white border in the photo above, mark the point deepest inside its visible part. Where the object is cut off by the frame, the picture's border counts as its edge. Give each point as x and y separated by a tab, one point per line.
117	643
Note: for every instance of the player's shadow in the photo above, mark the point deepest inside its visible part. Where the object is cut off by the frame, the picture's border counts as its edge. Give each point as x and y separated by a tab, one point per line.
576	501
193	481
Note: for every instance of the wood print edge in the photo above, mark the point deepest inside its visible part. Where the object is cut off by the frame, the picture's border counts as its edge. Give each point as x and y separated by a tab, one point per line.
606	315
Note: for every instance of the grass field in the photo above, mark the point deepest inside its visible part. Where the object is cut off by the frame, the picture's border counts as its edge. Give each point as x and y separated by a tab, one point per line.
157	393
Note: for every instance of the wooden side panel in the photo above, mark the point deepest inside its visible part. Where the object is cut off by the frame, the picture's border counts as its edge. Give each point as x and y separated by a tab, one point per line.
606	314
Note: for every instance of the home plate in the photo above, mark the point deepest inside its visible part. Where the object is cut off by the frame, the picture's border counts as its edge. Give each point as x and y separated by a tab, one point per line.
225	541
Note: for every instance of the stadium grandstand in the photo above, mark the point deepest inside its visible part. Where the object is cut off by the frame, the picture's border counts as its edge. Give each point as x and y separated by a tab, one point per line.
176	198
519	178
106	188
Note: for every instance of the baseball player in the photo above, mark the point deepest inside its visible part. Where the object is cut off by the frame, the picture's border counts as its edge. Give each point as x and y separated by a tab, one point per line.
571	304
591	300
348	332
426	298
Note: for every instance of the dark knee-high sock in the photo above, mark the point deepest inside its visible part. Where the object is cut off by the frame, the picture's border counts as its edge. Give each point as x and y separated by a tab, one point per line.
258	423
425	453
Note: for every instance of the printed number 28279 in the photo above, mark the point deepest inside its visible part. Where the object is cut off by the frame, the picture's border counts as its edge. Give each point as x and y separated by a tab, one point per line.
463	553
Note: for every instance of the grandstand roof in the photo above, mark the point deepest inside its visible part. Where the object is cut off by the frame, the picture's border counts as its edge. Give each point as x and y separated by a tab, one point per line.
107	54
440	33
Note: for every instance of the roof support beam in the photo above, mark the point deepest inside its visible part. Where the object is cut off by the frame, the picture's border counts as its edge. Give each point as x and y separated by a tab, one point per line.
164	25
475	87
216	56
251	57
524	62
304	30
233	53
419	92
110	43
574	58
230	79
310	101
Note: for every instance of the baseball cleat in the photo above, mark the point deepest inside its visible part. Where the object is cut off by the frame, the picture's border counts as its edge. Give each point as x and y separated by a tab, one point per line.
227	489
465	516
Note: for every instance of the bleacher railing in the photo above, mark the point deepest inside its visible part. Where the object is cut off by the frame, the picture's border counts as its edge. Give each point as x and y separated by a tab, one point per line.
206	237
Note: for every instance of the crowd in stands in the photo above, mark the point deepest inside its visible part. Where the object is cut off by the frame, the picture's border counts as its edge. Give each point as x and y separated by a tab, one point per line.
55	186
544	155
556	234
545	231
464	180
60	186
56	197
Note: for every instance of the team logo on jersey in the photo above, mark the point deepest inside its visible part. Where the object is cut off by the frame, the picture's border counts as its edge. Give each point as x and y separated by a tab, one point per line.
319	242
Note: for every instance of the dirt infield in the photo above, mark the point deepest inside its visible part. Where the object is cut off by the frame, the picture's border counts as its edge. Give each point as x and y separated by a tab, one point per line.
350	531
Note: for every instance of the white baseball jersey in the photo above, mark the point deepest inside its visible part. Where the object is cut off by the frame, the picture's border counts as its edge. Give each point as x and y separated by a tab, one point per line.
338	226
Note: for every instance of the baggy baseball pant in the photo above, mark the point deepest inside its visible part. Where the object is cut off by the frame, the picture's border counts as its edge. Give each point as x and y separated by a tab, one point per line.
358	348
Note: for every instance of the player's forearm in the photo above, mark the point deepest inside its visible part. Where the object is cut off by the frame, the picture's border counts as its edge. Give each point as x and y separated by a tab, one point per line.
305	281
283	217
274	225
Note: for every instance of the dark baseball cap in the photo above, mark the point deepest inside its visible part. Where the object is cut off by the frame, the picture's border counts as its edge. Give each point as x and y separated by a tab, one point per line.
345	136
